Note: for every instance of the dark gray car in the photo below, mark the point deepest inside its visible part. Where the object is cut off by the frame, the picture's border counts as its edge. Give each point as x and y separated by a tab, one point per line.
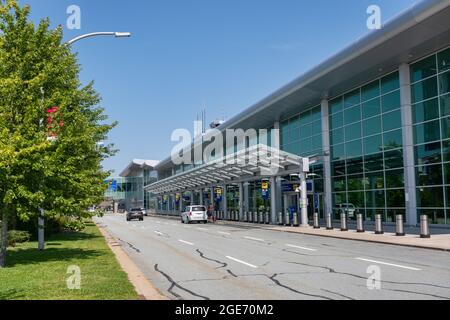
135	213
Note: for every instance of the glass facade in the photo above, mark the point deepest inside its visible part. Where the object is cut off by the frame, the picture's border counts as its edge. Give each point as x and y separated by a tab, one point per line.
366	149
430	89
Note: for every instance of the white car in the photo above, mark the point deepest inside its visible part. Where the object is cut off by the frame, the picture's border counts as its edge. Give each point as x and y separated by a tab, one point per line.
194	213
349	209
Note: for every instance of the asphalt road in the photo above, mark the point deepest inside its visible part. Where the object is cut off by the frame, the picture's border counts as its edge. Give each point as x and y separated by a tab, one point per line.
248	263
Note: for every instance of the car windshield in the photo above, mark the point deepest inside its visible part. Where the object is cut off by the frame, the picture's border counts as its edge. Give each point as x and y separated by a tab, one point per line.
136	209
198	208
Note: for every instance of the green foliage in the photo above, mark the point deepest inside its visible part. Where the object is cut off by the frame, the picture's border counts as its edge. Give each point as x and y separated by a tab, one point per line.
15	237
38	72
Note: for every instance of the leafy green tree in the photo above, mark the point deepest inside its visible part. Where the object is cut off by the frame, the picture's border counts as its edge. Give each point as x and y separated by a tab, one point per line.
38	72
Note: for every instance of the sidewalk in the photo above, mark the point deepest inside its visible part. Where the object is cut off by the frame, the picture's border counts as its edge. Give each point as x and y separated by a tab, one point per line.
141	284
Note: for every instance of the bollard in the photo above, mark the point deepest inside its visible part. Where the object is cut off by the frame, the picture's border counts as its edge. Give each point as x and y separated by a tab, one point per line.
329	222
399	229
255	217
245	216
360	223
287	221
280	218
261	217
379	224
267	218
424	227
344	222
295	223
316	220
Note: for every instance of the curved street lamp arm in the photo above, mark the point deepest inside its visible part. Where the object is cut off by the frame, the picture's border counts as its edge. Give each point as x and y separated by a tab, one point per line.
95	34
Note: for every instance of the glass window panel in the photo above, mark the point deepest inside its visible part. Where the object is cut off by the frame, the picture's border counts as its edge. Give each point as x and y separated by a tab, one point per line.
424	90
375	199
445	128
444	83
447	174
306	145
444	60
392	120
429	175
374	180
294	122
371	108
353	131
423	69
339	184
437	216
391	101
428	153
425	111
355	165
337	120
338	168
338	152
352	98
395	198
337	136
316	142
317	127
306	131
395	178
336	105
294	134
316	113
445	105
357	199
295	148
373	162
393	159
373	144
353	149
352	115
427	132
430	197
284	135
305	118
339	198
372	126
393	140
370	91
390	82
446	150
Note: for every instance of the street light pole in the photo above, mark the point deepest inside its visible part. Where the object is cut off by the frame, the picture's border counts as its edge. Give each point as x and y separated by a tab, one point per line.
96	34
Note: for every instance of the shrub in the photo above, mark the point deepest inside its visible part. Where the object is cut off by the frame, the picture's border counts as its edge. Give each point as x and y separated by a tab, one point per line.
15	237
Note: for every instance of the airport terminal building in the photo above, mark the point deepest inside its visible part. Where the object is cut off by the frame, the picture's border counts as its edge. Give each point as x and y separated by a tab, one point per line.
375	117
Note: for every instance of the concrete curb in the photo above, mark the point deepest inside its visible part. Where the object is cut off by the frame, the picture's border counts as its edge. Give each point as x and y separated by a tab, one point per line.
142	285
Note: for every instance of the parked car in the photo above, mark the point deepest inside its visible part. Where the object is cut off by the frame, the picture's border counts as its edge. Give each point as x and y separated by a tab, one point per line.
135	213
348	208
194	214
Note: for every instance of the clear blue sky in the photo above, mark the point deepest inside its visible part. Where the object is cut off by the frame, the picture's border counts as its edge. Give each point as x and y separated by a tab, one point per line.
228	54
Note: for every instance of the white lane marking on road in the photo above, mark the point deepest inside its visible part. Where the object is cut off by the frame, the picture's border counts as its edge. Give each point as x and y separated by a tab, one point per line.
243	262
158	233
202	229
225	233
255	239
389	264
186	242
302	248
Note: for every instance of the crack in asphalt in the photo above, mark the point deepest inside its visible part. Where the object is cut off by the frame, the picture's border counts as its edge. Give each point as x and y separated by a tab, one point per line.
331	270
231	273
202	255
174	284
338	294
419	293
131	246
278	283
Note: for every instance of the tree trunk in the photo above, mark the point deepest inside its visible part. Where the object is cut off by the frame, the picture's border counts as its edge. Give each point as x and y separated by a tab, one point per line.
4	238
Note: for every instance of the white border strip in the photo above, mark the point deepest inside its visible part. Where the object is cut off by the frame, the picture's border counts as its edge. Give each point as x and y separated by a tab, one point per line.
389	264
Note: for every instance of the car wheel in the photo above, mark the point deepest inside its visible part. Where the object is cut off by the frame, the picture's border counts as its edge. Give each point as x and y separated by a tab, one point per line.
141	219
205	222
